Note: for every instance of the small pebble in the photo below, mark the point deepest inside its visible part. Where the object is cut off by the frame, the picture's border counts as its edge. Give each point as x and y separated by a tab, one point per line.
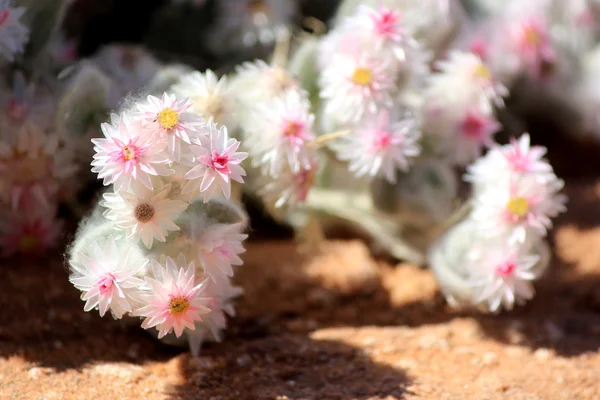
542	354
489	358
37	372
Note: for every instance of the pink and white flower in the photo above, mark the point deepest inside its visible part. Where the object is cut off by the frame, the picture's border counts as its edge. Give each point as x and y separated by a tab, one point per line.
381	146
146	215
518	207
290	188
169	118
28	233
466	79
13	33
175	299
108	274
281	131
35	168
222	294
352	86
531	42
518	158
256	82
522	158
217	163
219	247
382	28
501	275
211	97
472	133
128	153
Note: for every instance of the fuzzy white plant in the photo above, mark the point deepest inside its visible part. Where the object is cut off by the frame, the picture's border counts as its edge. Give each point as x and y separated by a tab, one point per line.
491	258
163	240
459	107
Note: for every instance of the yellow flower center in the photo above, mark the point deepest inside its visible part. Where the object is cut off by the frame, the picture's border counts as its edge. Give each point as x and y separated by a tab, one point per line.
518	206
168	118
28	243
292	128
482	72
128	153
362	76
178	305
532	36
144	212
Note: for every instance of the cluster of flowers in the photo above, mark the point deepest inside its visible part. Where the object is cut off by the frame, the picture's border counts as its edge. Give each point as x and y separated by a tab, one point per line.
266	106
370	65
544	50
369	70
499	249
46	123
163	241
36	165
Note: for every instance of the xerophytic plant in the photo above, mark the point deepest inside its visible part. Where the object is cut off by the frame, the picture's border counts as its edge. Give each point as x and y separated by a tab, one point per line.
491	257
368	123
163	240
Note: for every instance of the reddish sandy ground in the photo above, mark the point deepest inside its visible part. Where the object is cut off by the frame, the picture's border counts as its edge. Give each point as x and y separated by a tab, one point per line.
338	325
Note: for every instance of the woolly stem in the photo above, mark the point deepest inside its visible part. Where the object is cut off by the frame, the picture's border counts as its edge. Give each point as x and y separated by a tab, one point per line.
282	48
357	210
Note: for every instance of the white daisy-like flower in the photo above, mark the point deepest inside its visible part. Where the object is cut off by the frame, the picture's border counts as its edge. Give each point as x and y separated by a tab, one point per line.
256	82
108	274
289	188
174	299
219	247
501	275
461	134
222	294
467	80
128	153
518	158
211	97
381	28
525	40
35	167
380	146
280	132
474	131
13	34
217	163
379	35
146	215
169	118
518	207
352	86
